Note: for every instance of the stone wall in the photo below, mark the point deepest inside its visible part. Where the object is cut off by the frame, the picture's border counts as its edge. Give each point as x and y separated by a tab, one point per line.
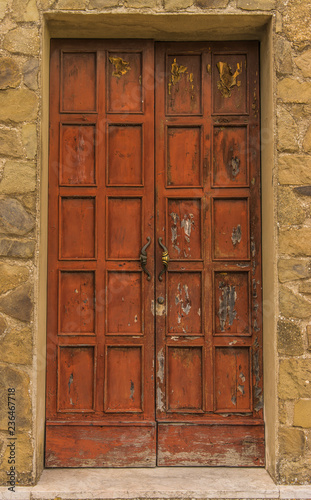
21	29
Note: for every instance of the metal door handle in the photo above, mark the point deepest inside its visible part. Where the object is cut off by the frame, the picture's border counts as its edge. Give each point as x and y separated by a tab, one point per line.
165	259
143	258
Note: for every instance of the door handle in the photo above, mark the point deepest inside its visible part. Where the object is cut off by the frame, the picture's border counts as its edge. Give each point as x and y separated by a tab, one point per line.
143	258
165	259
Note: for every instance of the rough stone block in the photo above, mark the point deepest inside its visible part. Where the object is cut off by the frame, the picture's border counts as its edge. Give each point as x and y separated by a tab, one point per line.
293	269
296	20
17	347
11	376
211	4
302	413
295	242
30	72
289	338
294	306
3	8
22	41
29	201
307	140
290	210
294	169
10	144
292	442
10	76
26	175
18	303
29	139
309	337
18	105
256	4
305	287
294	379
71	4
304	63
11	276
25	11
20	249
13	217
283	56
287	131
3	325
295	471
175	5
103	4
290	90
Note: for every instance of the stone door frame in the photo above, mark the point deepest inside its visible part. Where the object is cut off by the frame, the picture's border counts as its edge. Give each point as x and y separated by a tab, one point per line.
185	27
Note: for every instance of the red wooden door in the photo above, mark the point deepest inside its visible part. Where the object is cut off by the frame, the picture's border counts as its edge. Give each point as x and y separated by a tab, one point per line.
154	364
209	385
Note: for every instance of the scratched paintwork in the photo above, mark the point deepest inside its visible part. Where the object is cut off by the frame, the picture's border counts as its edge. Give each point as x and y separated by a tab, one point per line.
208	214
188	358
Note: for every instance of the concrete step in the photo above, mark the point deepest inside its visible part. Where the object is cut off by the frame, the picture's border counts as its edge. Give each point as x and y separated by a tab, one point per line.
178	483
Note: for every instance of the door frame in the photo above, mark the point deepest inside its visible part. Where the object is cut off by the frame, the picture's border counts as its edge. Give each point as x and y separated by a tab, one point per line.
249	27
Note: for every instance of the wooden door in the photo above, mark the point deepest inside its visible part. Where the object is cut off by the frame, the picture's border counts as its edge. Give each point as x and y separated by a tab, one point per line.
154	349
209	384
100	387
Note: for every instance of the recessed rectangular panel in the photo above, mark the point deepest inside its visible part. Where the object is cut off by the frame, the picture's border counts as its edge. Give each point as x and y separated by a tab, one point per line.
185	384
232	379
183	164
76	378
184	228
76	302
230	156
184	303
77	223
124	228
232	311
77	154
225	445
230	228
124	385
78	81
229	83
124	303
124	76
183	84
125	155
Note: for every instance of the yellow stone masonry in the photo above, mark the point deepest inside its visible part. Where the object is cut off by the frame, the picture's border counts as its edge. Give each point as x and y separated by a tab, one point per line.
23	36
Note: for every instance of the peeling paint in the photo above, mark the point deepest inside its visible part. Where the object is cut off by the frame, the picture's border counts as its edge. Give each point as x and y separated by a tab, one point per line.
182	298
160	373
175	219
233	399
70	382
236	235
235	166
160	400
226	305
228	79
132	390
257	390
241	389
121	67
176	71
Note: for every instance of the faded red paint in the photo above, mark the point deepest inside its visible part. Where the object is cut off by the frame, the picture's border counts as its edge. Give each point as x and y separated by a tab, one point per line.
123	359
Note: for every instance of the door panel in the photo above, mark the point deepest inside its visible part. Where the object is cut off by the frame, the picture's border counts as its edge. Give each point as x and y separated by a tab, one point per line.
154	346
207	200
100	387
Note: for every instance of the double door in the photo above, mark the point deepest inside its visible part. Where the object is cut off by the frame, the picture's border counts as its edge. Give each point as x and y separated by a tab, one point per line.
154	345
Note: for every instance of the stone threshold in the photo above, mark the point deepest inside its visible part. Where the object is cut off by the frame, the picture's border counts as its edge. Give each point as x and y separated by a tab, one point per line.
158	483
